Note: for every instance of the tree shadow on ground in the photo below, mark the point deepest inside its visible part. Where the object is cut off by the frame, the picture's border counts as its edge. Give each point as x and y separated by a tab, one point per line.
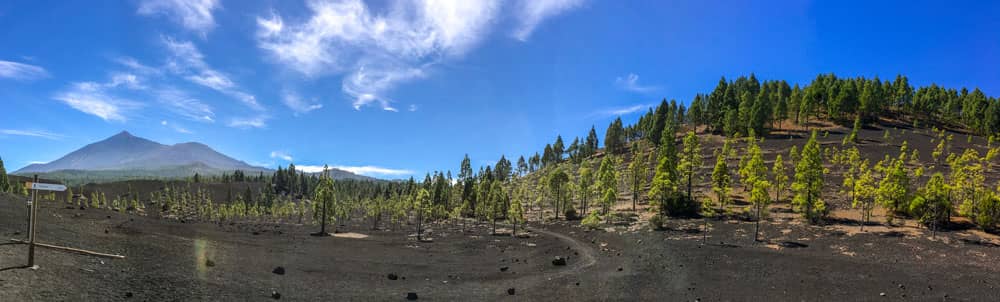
14	267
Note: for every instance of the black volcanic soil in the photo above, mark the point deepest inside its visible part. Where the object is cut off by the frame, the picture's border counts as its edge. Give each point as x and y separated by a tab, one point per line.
835	261
166	261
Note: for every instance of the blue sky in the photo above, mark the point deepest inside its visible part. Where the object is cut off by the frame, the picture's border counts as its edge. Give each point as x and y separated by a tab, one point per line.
398	88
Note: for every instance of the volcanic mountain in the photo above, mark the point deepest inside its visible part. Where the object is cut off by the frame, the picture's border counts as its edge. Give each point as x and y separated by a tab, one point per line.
124	151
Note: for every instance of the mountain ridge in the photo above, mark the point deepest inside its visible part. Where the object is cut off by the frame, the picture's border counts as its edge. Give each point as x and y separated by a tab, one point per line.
124	155
124	151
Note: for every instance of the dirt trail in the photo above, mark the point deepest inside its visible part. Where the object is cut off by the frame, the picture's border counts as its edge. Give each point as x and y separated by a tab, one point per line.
586	253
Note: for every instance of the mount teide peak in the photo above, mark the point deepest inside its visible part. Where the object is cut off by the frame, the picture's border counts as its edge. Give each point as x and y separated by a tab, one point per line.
125	151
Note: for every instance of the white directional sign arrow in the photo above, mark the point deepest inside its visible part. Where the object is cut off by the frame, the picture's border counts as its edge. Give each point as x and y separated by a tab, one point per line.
46	187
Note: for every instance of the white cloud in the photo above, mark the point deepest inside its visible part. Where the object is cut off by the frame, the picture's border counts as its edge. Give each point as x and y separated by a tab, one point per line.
128	80
309	169
32	133
359	170
91	98
630	82
21	71
626	110
136	66
373	170
282	155
376	51
413	108
251	122
297	104
177	128
188	62
194	15
188	107
531	13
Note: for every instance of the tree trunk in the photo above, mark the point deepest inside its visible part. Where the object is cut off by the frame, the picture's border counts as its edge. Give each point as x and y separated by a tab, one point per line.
704	237
419	230
756	228
322	229
690	181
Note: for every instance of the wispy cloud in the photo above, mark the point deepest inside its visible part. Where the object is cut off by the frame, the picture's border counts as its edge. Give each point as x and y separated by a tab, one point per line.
374	171
375	51
92	98
182	104
531	13
188	62
248	122
282	155
175	127
32	133
194	15
625	110
136	66
630	82
297	104
21	71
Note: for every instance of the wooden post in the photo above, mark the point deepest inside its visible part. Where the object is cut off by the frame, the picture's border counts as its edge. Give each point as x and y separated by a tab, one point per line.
31	224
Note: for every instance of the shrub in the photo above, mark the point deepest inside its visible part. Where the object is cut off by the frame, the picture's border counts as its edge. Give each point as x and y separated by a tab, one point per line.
678	205
571	214
592	221
656	222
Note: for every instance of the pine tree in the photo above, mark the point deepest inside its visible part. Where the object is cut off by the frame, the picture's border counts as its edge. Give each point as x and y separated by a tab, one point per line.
690	161
326	197
614	138
968	179
721	182
932	206
808	182
557	186
558	149
607	177
637	172
894	190
760	199
865	192
585	187
422	207
5	185
498	198
780	177
515	215
752	169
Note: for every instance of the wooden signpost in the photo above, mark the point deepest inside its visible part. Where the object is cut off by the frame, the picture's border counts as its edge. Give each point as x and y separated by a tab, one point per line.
35	186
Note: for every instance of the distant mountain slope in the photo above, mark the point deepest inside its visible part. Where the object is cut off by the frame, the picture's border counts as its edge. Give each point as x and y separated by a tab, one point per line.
124	151
124	157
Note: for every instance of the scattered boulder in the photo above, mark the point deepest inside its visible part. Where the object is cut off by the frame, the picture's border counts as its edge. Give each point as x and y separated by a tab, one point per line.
559	261
392	277
504	268
279	270
275	295
510	291
128	294
411	296
209	263
620	268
